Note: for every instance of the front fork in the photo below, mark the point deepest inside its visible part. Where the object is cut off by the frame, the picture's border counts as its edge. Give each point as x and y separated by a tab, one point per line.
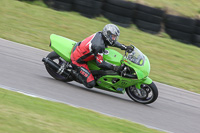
142	82
145	81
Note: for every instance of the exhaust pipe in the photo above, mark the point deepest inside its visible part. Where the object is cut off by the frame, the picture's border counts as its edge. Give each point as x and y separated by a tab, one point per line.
55	66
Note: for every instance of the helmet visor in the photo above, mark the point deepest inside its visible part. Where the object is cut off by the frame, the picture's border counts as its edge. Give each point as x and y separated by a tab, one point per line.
113	37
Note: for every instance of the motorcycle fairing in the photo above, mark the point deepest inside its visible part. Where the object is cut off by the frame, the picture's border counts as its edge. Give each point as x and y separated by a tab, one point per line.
118	84
141	71
62	46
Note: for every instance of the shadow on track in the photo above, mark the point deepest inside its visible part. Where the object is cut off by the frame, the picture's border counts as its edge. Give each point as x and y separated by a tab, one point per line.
108	94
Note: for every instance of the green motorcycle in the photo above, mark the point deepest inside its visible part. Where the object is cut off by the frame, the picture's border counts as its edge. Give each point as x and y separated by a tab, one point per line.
133	79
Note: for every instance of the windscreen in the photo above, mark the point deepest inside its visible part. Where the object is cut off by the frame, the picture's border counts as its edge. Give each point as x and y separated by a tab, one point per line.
136	57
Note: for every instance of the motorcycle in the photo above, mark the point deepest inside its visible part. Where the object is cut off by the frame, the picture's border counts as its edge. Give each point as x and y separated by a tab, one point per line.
133	79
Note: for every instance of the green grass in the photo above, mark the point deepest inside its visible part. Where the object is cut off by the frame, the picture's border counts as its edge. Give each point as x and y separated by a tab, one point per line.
35	2
172	62
24	114
188	8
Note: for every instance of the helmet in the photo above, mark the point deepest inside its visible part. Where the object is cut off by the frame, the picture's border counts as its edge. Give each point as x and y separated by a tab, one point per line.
111	33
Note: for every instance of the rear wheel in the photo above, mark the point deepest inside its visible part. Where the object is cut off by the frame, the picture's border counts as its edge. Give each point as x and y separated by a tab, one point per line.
57	59
146	95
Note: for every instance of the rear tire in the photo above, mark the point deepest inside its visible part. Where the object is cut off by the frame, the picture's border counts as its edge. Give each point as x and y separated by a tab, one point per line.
55	57
149	93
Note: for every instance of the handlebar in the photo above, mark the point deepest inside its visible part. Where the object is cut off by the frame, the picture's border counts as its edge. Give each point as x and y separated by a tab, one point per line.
128	52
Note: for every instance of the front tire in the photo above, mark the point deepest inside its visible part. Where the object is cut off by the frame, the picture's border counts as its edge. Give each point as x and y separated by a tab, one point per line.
146	95
56	58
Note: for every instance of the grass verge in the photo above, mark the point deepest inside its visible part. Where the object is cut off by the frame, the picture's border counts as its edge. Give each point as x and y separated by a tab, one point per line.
172	62
24	114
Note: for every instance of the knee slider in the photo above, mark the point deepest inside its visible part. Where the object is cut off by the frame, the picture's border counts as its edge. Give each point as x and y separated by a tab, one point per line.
91	84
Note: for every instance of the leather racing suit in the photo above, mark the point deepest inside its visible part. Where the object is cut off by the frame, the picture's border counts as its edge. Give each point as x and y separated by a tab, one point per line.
91	48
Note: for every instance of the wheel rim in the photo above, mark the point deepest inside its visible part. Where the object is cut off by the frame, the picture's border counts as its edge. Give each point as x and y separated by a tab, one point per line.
143	95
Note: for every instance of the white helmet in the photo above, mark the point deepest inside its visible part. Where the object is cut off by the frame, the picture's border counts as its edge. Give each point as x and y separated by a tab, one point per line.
111	33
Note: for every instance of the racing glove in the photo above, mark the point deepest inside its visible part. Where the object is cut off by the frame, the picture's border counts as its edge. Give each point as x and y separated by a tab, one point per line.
129	49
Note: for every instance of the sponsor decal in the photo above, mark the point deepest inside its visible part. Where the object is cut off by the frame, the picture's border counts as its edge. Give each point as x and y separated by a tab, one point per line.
119	89
84	72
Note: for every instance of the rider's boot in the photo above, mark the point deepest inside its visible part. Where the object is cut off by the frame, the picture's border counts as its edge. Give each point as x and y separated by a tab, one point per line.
75	76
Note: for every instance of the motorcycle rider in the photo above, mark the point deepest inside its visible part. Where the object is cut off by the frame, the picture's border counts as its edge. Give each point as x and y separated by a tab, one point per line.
92	48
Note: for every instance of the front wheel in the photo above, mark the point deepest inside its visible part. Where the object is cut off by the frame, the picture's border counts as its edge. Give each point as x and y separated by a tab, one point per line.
146	95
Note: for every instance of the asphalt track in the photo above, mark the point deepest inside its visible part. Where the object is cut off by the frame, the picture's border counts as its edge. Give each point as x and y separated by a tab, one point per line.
22	70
